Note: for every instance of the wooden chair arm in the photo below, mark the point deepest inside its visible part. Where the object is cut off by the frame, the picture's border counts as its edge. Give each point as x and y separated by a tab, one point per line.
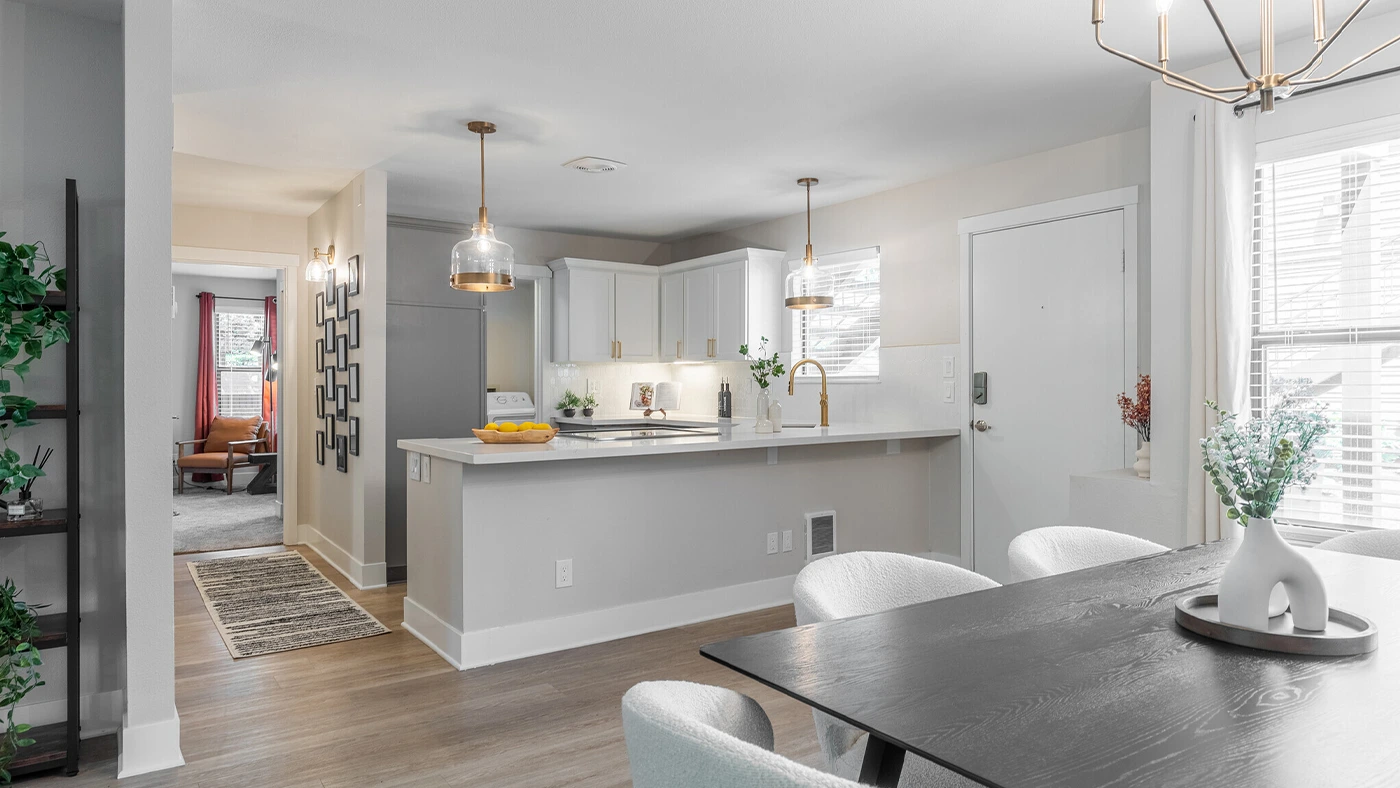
254	443
180	445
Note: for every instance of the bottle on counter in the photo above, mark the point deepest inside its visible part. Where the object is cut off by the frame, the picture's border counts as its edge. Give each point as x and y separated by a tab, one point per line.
775	415
726	401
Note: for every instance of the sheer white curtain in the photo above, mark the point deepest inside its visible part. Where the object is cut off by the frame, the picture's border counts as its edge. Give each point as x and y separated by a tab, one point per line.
1222	227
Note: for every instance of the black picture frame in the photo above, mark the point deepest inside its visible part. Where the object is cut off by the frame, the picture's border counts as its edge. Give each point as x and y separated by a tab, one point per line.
328	382
320	355
320	448
354	431
329	338
328	430
342	352
342	455
330	287
320	308
354	382
342	302
352	327
320	402
342	403
352	275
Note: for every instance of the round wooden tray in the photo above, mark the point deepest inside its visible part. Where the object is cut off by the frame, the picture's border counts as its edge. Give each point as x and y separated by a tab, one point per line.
1347	634
529	436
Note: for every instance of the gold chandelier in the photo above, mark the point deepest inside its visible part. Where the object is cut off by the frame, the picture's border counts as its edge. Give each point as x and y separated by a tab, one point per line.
1268	83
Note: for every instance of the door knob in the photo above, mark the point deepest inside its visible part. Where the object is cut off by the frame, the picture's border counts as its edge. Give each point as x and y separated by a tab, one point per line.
980	425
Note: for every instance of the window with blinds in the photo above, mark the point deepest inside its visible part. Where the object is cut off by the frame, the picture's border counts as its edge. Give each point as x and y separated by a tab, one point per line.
237	365
1326	321
845	338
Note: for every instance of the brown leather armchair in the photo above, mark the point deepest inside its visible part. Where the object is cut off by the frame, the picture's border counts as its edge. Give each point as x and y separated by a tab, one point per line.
227	447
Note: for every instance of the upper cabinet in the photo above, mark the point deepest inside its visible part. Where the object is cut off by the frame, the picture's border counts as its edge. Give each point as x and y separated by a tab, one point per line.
712	305
605	311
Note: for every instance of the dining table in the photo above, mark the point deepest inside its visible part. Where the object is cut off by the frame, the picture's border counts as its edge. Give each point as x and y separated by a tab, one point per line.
1085	680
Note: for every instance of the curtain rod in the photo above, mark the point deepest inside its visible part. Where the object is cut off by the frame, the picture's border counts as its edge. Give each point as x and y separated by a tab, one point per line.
234	298
1240	108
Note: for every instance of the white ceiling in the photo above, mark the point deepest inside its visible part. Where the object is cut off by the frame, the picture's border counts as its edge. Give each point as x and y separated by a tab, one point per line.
716	106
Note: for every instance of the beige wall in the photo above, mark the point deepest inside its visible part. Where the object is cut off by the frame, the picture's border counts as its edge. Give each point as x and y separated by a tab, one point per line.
916	227
218	228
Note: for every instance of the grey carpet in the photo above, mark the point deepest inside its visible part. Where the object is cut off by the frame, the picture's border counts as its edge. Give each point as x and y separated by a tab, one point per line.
277	602
207	520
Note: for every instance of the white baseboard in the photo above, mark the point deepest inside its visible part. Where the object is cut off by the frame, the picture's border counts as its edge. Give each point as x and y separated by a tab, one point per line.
100	712
362	576
464	650
148	748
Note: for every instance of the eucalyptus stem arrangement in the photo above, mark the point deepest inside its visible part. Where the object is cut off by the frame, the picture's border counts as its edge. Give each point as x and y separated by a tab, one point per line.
1251	465
763	367
19	660
28	326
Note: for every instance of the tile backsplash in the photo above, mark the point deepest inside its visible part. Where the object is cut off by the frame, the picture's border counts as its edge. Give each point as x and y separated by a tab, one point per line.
909	391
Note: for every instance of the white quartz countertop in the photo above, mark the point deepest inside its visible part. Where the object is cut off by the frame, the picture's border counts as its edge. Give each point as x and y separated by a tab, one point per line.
470	451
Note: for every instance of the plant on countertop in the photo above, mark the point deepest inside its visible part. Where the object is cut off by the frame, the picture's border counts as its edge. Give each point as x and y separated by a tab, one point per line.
568	401
1253	464
1138	414
18	660
762	367
27	327
588	403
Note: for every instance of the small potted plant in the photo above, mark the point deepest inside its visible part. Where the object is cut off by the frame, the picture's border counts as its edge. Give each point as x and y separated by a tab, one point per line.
19	658
589	402
1251	466
569	402
1138	415
763	367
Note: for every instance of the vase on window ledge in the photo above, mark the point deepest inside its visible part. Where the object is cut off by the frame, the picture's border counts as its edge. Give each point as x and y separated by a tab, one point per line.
1268	576
762	424
1143	466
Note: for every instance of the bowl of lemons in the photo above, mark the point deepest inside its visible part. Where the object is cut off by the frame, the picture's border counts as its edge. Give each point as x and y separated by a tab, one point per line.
510	432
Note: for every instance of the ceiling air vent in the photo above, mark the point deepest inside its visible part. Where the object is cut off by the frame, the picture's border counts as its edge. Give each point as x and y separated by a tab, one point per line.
594	164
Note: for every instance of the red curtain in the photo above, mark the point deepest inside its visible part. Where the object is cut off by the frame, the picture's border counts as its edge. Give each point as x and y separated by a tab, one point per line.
206	387
269	397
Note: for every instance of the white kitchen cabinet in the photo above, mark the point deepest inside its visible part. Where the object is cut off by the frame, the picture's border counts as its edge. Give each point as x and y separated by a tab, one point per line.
726	300
672	317
604	311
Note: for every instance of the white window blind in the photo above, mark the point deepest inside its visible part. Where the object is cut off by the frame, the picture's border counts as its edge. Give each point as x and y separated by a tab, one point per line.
1326	321
238	366
846	337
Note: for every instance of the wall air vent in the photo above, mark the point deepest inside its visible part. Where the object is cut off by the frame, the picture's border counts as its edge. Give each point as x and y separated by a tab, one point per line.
821	534
594	164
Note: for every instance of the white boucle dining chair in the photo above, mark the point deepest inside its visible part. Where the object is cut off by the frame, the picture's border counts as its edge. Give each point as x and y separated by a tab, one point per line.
856	584
1066	548
1377	544
684	735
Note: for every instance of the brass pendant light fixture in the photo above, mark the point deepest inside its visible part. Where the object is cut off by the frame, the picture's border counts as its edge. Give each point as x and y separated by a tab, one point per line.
809	287
317	268
482	264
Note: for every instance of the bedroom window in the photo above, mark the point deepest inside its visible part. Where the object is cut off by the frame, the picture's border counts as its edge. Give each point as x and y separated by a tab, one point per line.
846	337
238	366
1326	319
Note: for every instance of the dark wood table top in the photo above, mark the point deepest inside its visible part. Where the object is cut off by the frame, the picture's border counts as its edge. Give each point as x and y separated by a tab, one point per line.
1084	680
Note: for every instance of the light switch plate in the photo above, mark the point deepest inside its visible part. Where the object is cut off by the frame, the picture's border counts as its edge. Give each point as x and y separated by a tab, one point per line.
427	466
950	367
950	391
415	472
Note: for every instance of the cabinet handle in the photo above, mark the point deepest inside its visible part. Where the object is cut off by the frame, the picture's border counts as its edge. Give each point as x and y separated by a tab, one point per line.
619	348
678	348
614	350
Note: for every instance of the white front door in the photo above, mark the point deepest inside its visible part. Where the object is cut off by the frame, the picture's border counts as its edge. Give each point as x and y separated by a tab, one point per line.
1047	329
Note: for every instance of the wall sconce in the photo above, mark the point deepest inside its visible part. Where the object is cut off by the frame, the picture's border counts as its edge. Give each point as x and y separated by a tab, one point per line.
317	269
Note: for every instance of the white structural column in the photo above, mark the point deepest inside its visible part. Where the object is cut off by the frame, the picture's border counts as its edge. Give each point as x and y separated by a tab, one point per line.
150	734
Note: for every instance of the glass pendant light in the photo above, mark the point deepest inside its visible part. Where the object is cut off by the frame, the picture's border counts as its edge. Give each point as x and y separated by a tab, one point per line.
316	269
809	287
482	264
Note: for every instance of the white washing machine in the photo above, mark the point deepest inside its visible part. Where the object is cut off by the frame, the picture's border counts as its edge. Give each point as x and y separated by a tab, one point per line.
513	406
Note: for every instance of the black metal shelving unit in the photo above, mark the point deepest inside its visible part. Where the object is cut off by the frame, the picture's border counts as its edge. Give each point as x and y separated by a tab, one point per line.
56	745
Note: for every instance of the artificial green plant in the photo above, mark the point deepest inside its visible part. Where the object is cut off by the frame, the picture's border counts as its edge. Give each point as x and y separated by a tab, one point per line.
763	367
19	658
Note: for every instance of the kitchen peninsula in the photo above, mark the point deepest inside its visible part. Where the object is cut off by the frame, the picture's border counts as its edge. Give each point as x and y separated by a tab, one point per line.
660	532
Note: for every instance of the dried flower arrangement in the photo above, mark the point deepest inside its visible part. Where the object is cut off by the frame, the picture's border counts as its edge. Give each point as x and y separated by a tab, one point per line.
1138	414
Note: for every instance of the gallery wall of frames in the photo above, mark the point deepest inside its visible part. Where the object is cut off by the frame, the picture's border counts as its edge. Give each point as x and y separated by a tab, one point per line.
338	324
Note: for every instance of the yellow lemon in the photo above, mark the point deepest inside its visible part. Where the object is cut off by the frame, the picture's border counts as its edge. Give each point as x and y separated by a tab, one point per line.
492	426
526	426
538	426
507	426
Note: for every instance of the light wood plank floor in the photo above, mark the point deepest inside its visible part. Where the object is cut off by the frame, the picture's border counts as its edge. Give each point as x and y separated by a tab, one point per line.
387	711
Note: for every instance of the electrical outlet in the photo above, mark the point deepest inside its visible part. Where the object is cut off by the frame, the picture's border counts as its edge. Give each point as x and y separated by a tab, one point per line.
950	391
427	466
950	368
415	471
787	541
772	542
564	573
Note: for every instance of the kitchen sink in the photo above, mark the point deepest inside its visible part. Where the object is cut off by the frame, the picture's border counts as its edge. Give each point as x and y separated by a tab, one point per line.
641	433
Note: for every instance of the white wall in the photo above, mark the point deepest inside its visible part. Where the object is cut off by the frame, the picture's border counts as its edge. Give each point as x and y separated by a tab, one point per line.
61	116
342	514
150	735
1171	162
184	340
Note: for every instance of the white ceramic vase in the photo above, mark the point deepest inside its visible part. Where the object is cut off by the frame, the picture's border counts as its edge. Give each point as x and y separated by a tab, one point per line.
1143	466
1268	576
762	424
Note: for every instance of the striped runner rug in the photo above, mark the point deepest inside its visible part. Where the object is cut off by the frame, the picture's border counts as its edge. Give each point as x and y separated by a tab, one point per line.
274	602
